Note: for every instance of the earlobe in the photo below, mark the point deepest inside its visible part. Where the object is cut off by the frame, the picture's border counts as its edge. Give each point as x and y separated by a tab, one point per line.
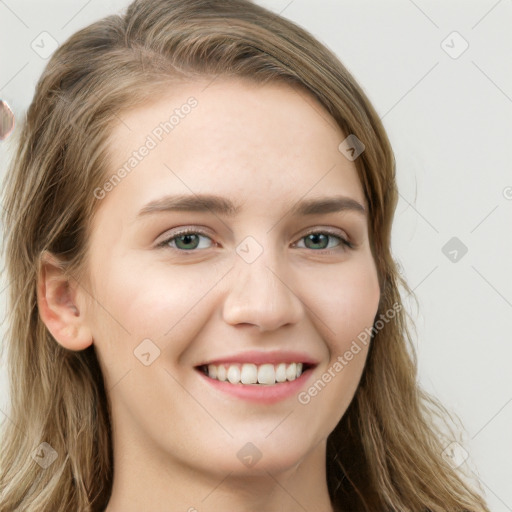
56	301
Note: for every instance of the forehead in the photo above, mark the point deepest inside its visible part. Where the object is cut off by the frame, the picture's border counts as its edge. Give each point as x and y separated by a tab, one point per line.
231	137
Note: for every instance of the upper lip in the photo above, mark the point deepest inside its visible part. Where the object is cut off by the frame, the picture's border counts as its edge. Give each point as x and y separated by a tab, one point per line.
259	357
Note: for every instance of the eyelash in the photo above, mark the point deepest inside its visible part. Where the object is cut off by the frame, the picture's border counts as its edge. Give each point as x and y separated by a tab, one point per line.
344	242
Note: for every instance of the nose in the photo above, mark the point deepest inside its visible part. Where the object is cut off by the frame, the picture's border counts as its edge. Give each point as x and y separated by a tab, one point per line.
261	294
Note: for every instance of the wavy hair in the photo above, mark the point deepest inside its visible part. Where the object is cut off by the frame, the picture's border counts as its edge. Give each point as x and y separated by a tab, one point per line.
386	452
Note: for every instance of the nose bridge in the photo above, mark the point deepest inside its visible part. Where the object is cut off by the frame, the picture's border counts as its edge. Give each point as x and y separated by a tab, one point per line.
259	292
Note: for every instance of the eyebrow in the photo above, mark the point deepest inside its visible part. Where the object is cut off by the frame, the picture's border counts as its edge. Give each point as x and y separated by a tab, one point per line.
223	206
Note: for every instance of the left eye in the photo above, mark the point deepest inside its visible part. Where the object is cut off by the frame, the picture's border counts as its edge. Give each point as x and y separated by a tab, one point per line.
319	237
190	240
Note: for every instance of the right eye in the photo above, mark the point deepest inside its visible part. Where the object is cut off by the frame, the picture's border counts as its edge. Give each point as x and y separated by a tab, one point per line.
185	240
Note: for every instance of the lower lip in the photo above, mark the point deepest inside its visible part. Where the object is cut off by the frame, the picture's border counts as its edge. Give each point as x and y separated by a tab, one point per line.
261	393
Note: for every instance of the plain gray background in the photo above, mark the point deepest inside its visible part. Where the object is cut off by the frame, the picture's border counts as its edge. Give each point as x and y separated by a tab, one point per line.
448	114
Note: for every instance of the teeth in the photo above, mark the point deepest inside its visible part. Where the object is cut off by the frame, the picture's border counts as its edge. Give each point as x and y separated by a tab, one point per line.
249	374
234	374
291	372
212	371
221	372
281	372
266	374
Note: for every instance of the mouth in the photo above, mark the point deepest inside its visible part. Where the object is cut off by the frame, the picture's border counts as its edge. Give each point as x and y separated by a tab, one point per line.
258	375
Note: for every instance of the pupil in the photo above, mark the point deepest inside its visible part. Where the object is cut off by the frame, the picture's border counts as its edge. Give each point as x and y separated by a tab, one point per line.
187	238
315	236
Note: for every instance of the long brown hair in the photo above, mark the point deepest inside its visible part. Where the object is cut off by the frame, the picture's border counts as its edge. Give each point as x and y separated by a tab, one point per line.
386	452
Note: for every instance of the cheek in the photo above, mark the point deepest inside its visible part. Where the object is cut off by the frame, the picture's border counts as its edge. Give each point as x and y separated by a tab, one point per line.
347	312
347	305
151	300
342	313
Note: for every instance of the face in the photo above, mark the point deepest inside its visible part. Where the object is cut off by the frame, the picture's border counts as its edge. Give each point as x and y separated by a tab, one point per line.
249	290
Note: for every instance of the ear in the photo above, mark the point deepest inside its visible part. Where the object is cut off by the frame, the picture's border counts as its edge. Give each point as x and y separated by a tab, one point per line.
56	301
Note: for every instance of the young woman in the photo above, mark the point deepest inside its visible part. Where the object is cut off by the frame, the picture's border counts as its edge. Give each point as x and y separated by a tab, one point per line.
204	310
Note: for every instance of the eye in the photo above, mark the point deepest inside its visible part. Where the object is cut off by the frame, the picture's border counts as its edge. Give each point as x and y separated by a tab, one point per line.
189	240
186	240
319	238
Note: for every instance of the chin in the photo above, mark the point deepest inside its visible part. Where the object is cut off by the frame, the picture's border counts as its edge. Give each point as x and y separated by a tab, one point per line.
243	457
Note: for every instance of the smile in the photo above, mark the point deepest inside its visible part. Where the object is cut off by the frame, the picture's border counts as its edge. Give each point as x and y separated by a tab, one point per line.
252	374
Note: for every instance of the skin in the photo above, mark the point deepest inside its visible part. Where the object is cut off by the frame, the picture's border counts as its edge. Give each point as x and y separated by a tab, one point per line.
175	438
